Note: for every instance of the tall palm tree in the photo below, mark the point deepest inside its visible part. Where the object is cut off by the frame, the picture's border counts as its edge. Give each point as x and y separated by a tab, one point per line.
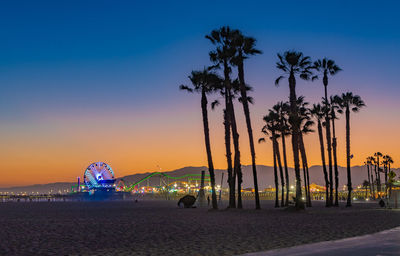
333	107
326	68
282	109
374	162
270	128
387	161
293	64
318	113
378	178
245	47
276	126
221	56
368	164
371	161
354	103
368	178
305	128
231	177
204	82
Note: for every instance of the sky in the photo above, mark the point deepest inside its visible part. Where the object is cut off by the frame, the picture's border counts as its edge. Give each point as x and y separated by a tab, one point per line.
86	81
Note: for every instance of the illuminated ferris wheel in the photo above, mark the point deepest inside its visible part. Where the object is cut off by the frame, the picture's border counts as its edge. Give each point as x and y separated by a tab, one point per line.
99	175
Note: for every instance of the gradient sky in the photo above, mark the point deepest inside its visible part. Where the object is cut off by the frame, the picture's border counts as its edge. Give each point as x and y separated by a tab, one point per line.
85	81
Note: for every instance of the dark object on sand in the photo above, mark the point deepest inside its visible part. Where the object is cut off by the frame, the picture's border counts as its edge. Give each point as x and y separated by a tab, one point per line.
188	201
382	203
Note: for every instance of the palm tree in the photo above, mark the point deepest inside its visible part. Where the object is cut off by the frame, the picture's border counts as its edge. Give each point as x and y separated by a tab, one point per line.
204	82
294	64
368	164
318	113
327	67
371	161
282	109
378	178
222	56
270	128
387	161
374	162
245	47
231	177
305	128
334	106
354	103
276	126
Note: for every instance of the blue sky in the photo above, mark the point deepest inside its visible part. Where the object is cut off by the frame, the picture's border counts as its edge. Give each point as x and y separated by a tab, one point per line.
60	52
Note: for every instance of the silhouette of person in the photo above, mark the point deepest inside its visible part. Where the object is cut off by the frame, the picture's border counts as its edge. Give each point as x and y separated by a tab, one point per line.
208	200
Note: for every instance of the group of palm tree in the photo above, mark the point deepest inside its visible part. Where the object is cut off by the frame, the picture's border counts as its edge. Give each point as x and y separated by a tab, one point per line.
379	164
293	118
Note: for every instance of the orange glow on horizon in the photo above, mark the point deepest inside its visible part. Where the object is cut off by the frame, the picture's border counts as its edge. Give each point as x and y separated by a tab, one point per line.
59	149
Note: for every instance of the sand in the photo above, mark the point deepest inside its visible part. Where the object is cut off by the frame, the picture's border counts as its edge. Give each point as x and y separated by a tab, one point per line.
160	228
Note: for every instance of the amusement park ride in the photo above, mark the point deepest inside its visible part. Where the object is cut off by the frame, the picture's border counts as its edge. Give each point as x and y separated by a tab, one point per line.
100	183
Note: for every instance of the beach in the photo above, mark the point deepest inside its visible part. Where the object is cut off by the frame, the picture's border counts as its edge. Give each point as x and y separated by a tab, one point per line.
156	227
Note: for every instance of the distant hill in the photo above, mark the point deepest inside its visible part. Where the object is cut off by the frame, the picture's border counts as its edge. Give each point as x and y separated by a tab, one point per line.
265	178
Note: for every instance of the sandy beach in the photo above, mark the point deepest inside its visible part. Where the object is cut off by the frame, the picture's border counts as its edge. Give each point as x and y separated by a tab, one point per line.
161	228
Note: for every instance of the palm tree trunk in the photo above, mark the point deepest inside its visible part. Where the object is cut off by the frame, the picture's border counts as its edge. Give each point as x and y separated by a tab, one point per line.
237	166
334	145
321	143
249	131
308	185
275	172
227	85
208	148
328	140
378	177
372	183
305	181
299	204
231	179
278	158
286	168
377	182
389	172
305	169
386	180
369	180
349	184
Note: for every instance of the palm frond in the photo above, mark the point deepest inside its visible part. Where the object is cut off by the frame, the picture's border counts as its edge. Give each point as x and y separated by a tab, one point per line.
278	80
185	88
214	104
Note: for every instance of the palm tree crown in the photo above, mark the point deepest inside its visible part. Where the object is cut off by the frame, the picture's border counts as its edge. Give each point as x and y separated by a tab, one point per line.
295	63
222	38
325	67
350	101
244	47
203	81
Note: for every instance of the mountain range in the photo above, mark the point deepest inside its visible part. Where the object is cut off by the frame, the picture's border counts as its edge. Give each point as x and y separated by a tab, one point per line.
265	178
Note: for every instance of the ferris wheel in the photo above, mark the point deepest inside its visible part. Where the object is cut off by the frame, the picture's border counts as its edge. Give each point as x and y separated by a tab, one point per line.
99	175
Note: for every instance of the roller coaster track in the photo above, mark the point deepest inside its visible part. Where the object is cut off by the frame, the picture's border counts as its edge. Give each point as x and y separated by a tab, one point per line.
162	175
132	186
